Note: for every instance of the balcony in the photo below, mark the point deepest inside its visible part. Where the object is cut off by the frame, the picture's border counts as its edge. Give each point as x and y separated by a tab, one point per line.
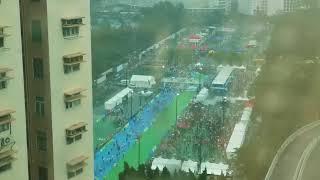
76	165
3	35
73	97
4	78
72	62
76	129
6	158
5	119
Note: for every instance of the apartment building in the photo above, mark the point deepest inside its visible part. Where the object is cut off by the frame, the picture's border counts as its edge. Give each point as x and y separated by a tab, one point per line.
220	4
13	141
57	64
267	7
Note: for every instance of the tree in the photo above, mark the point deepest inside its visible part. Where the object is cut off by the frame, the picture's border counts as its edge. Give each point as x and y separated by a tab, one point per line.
149	172
141	170
165	173
156	173
203	175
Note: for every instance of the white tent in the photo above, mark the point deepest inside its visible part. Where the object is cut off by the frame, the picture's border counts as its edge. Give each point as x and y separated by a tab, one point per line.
117	99
246	114
141	81
171	164
214	169
189	165
239	133
203	94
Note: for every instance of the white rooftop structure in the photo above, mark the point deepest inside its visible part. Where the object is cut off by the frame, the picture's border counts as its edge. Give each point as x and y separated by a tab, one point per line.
239	133
223	75
214	169
142	81
171	164
117	99
189	165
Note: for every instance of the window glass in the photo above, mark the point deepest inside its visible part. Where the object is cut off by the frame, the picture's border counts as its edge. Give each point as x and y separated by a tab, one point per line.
36	32
42	141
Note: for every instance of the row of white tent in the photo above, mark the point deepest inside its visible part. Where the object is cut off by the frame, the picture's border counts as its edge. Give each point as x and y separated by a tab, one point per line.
239	133
117	99
203	94
175	165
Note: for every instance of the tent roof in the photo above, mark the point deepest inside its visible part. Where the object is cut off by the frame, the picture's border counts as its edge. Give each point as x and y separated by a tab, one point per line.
189	165
223	75
141	78
116	99
171	164
214	168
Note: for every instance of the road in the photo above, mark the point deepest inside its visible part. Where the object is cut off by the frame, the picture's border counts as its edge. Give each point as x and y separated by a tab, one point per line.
290	162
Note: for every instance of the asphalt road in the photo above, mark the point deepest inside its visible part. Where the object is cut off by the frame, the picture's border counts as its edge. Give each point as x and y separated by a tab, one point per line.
288	162
311	168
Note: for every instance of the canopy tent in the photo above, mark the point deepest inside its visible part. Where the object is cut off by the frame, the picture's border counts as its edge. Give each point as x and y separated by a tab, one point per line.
189	166
171	164
141	81
223	75
117	99
246	114
239	133
203	94
215	169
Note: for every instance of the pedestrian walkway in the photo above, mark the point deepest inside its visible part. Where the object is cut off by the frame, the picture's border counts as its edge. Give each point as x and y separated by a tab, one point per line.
108	156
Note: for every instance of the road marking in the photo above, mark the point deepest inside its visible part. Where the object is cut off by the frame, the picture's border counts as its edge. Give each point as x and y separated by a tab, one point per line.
304	159
291	138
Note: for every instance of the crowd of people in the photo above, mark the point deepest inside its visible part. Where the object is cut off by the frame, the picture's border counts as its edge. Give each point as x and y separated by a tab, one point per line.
201	125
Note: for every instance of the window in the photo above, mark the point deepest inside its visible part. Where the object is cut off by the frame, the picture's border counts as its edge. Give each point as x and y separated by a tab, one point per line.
4	127
71	68
75	166
36	31
1	42
40	106
3	84
71	26
43	173
1	37
72	62
74	103
73	98
77	172
5	167
37	68
4	78
74	132
70	31
41	141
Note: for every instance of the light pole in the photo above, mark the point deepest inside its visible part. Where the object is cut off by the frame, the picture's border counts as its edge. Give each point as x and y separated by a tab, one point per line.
177	108
139	149
131	98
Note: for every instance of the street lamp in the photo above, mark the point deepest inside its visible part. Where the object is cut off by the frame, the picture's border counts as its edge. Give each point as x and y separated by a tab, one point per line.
139	149
177	108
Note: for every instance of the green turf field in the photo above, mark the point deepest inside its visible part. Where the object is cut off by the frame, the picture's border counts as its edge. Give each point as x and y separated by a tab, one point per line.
152	137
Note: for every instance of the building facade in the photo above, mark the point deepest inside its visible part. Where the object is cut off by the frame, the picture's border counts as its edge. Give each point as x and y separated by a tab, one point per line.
220	4
13	141
267	7
57	62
